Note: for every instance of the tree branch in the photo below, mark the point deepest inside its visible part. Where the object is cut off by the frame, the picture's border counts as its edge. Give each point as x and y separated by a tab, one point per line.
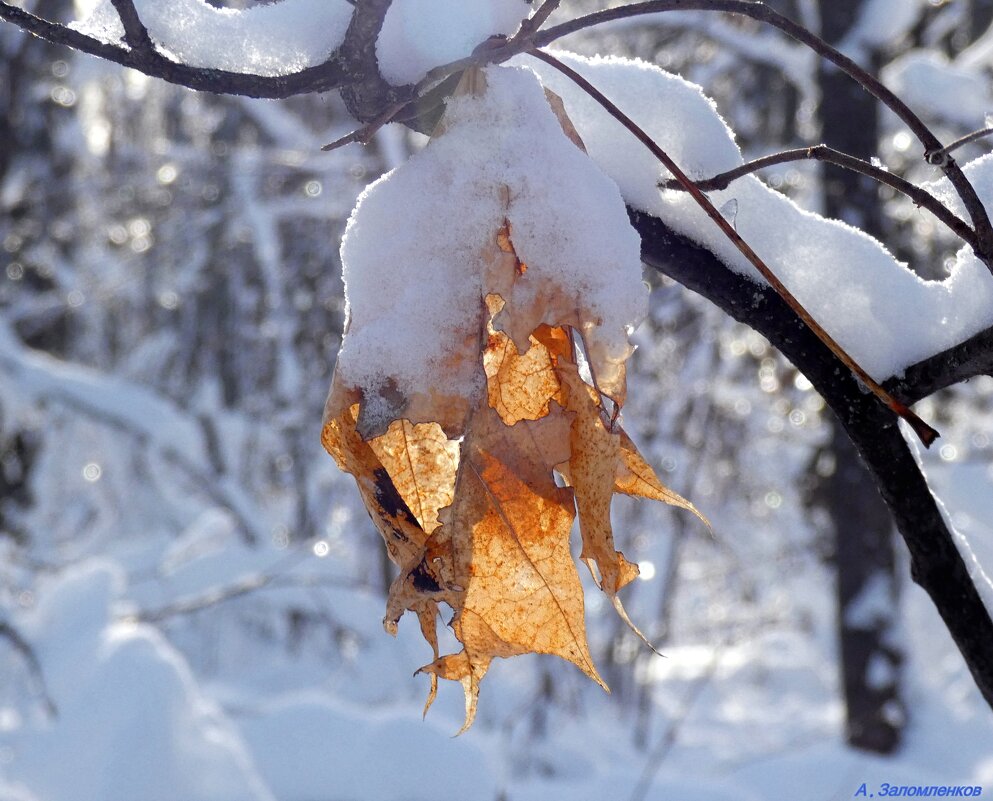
319	78
936	564
920	196
246	586
761	12
365	92
940	371
938	156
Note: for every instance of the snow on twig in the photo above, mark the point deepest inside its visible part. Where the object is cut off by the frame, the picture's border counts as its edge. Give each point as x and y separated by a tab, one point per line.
920	196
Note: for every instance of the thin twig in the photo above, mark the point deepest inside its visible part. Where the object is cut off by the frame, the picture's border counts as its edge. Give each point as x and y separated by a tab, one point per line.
920	196
530	25
763	13
246	586
923	430
366	132
135	33
422	106
938	157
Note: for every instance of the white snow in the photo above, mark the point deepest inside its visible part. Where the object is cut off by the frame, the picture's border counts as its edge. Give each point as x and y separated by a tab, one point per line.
936	87
881	24
872	604
420	34
415	296
877	309
307	746
271	39
131	720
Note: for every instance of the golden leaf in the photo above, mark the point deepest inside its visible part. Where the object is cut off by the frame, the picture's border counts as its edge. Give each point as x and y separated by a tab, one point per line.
636	477
400	529
592	470
507	534
520	386
462	485
421	461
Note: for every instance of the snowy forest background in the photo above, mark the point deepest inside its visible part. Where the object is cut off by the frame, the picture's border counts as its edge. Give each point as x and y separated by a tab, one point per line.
191	592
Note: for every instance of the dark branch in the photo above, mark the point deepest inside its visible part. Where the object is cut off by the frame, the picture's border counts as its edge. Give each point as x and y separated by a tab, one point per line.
761	12
320	78
536	20
366	94
959	363
936	564
920	196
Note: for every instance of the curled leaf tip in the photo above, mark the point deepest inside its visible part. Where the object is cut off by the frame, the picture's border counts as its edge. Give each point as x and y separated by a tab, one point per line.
622	613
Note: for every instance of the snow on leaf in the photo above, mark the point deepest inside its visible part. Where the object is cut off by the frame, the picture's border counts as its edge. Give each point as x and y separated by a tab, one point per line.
458	463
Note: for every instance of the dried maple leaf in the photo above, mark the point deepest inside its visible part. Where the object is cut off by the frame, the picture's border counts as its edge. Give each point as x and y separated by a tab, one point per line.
462	483
507	534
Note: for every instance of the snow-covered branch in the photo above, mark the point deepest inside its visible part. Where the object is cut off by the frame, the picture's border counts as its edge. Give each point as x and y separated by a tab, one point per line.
136	410
140	53
936	564
763	13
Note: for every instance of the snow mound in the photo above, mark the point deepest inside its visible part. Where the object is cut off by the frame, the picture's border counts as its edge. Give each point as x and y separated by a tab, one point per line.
131	722
308	746
420	34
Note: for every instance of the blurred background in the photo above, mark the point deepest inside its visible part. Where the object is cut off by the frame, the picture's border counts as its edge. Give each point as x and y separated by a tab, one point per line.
191	593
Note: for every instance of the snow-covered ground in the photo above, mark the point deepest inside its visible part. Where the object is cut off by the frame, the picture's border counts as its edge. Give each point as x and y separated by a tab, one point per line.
752	718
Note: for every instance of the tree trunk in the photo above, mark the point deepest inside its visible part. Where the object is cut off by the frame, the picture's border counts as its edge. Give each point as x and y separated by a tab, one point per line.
867	585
